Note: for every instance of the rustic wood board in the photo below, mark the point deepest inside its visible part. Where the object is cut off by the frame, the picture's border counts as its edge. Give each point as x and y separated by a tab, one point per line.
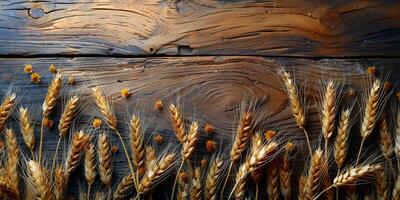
267	28
209	88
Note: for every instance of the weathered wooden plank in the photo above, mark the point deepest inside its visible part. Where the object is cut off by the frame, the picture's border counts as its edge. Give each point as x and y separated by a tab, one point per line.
269	28
210	89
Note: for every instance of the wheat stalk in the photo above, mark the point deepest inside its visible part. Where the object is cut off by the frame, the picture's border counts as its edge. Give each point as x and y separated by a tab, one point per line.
328	111
315	174
60	183
53	93
155	173
177	123
76	150
273	181
105	159
27	129
285	171
214	173
353	174
6	108
90	164
137	144
381	185
68	115
11	166
104	107
195	191
38	181
385	141
6	189
124	188
191	140
341	143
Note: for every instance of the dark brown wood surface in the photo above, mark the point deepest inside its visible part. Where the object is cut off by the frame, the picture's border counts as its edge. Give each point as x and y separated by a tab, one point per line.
206	56
270	28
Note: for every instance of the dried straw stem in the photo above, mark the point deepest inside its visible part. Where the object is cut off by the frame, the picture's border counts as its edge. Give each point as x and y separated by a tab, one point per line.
315	174
381	185
353	174
38	181
155	173
11	165
195	190
68	115
27	129
177	123
6	108
285	171
76	151
105	159
137	143
273	181
214	173
90	164
341	142
104	107
124	188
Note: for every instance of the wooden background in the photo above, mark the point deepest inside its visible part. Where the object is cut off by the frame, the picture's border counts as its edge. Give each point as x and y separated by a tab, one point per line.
205	55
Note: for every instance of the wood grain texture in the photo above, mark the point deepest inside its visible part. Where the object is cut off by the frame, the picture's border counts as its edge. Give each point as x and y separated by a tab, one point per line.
209	89
200	27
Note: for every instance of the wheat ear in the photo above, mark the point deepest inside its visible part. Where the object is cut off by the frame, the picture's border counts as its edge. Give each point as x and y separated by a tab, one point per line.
27	129
195	190
11	166
315	174
60	183
381	185
256	174
191	140
6	108
214	173
329	194
397	137
177	123
105	159
183	186
124	188
396	189
353	174
302	186
76	151
155	173
285	171
68	115
90	166
328	111
273	181
342	137
150	156
255	160
104	107
38	181
6	189
137	144
385	141
370	113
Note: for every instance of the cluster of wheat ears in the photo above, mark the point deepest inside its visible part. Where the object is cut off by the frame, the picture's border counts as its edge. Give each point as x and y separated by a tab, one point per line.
30	176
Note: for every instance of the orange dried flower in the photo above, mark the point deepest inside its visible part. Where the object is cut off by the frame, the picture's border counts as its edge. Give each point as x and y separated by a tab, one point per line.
28	69
203	163
125	92
158	139
48	122
96	123
211	145
371	70
183	177
387	86
269	134
35	78
351	92
159	105
71	80
53	69
208	128
114	149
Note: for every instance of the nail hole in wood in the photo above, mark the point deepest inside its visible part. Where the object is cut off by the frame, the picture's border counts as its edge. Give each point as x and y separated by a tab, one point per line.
36	13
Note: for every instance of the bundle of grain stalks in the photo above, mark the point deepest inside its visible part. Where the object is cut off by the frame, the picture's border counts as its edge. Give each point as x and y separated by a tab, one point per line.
258	162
